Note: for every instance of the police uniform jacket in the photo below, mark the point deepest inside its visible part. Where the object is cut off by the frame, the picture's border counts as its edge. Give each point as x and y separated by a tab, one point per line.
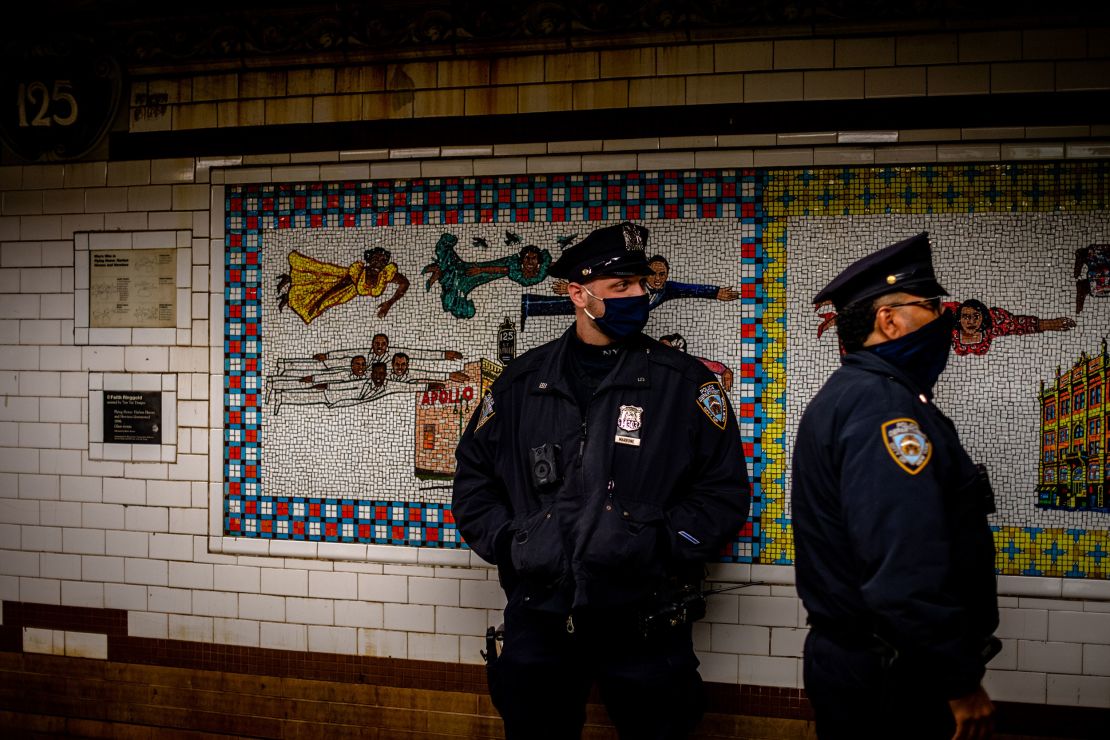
622	517
889	514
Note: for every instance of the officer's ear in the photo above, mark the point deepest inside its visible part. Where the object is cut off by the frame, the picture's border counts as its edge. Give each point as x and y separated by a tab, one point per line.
890	324
887	325
577	294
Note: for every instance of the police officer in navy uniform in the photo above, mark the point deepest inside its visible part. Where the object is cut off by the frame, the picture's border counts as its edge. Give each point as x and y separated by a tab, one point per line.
600	473
895	560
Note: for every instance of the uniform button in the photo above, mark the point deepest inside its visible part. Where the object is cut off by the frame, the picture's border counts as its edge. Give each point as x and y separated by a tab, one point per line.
612	484
608	507
626	515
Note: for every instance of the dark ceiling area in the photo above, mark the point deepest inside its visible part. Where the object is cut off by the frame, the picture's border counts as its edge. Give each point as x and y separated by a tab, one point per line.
253	33
146	39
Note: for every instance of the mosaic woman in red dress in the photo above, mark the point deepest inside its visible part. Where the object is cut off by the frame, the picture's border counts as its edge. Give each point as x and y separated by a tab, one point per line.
977	326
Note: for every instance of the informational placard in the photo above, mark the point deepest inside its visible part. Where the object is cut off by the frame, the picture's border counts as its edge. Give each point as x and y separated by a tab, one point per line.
133	288
133	417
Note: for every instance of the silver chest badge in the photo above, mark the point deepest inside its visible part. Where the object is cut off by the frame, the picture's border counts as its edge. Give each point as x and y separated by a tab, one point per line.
628	425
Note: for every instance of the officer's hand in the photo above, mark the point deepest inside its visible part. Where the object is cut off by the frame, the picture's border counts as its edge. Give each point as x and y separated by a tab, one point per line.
974	715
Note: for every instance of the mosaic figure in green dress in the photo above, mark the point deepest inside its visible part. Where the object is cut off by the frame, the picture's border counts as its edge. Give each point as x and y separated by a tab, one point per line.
457	277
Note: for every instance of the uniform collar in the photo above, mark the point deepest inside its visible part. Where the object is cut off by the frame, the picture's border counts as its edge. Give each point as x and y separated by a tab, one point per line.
873	363
632	370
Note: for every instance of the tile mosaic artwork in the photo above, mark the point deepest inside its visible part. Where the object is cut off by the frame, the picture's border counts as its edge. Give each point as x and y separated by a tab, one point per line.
363	320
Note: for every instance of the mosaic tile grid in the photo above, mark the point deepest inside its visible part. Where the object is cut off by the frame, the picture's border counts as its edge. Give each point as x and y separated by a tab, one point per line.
396	490
1003	235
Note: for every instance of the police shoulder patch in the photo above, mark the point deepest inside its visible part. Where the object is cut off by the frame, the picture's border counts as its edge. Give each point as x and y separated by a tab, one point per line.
711	400
486	411
907	444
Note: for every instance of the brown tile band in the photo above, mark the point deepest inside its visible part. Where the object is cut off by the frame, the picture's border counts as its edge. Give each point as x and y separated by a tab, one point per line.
251	674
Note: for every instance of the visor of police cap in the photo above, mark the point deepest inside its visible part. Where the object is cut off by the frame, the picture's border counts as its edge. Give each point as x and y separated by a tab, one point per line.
612	251
903	267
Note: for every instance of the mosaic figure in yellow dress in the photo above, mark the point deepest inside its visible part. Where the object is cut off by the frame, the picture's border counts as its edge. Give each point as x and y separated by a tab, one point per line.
312	287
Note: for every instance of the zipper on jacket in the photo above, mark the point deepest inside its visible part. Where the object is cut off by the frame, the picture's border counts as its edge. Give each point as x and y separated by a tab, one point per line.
582	442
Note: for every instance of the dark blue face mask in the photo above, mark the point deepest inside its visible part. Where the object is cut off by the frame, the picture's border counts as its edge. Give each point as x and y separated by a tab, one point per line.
921	354
623	316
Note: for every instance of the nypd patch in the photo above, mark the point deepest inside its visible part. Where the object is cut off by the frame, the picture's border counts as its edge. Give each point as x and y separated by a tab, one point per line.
486	411
907	444
711	400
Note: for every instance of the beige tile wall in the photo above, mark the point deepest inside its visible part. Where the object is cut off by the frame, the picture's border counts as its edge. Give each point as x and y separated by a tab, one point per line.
970	63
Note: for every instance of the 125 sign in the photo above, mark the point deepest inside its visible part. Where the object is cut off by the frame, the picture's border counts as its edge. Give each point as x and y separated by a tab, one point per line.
58	108
46	106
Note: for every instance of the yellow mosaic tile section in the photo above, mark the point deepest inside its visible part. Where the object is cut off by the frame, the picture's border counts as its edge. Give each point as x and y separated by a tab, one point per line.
778	536
1025	551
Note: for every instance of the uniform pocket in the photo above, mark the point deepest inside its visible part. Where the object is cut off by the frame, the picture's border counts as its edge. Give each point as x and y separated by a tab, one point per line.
627	540
537	549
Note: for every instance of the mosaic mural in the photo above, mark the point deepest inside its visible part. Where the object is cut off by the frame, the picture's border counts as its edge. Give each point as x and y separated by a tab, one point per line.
1005	238
363	321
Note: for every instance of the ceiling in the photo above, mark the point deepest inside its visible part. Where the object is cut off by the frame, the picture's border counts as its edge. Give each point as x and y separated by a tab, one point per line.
206	33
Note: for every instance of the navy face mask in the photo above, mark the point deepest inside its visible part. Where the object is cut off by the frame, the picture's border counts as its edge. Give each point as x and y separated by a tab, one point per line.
921	354
623	316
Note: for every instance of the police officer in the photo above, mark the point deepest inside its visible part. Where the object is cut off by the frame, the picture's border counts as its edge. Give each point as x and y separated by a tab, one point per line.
599	473
895	560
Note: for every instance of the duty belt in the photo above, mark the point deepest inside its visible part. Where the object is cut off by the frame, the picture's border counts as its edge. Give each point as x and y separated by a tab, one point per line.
852	636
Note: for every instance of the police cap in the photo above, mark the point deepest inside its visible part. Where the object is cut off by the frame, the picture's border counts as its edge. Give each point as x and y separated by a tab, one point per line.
903	267
611	251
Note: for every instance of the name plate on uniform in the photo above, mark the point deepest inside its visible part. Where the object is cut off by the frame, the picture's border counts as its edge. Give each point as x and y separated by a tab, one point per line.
133	417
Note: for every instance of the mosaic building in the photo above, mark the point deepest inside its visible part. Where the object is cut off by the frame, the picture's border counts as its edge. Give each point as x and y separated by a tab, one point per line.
441	416
1073	473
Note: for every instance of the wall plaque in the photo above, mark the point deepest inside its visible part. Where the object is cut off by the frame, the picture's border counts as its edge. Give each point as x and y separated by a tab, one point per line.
133	417
133	288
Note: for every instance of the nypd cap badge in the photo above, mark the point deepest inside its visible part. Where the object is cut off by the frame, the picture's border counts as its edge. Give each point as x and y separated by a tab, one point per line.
907	444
